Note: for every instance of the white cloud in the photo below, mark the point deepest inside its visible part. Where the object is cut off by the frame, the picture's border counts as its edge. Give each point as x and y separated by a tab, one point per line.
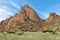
54	8
4	11
14	4
4	14
45	15
7	8
42	13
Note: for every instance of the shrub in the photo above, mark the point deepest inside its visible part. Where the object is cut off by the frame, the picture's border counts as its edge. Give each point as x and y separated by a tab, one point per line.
31	31
50	31
10	32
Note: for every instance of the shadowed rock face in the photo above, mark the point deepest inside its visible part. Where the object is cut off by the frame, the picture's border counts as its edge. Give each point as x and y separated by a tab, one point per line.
25	20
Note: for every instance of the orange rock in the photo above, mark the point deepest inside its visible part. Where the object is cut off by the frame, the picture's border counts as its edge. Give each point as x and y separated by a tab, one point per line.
26	19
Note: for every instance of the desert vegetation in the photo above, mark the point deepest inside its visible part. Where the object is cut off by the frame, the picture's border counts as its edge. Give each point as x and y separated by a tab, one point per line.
26	24
29	36
50	31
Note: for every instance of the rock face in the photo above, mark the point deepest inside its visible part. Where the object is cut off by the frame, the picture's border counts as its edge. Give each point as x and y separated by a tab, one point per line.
49	20
52	22
4	23
25	20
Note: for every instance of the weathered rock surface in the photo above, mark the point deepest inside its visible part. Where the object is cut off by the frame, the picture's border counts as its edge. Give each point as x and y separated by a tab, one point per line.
52	22
25	20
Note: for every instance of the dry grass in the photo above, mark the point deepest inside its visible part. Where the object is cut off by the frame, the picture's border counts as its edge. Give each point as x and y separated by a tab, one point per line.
30	36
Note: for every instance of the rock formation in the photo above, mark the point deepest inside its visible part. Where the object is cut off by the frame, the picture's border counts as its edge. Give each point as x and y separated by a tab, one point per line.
52	22
25	20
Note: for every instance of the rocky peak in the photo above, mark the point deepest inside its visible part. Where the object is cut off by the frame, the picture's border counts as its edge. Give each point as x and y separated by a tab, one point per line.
28	12
26	19
26	6
50	20
53	15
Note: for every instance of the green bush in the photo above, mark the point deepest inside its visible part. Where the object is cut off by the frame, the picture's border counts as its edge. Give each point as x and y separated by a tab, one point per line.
17	33
10	32
50	31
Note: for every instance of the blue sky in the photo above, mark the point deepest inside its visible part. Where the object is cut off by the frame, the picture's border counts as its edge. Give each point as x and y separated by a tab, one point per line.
42	7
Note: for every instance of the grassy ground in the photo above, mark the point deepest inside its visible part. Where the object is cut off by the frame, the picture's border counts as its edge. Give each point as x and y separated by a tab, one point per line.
30	36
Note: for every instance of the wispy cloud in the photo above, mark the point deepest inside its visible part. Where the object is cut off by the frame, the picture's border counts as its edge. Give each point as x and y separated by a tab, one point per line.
42	13
5	14
7	8
14	4
54	8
